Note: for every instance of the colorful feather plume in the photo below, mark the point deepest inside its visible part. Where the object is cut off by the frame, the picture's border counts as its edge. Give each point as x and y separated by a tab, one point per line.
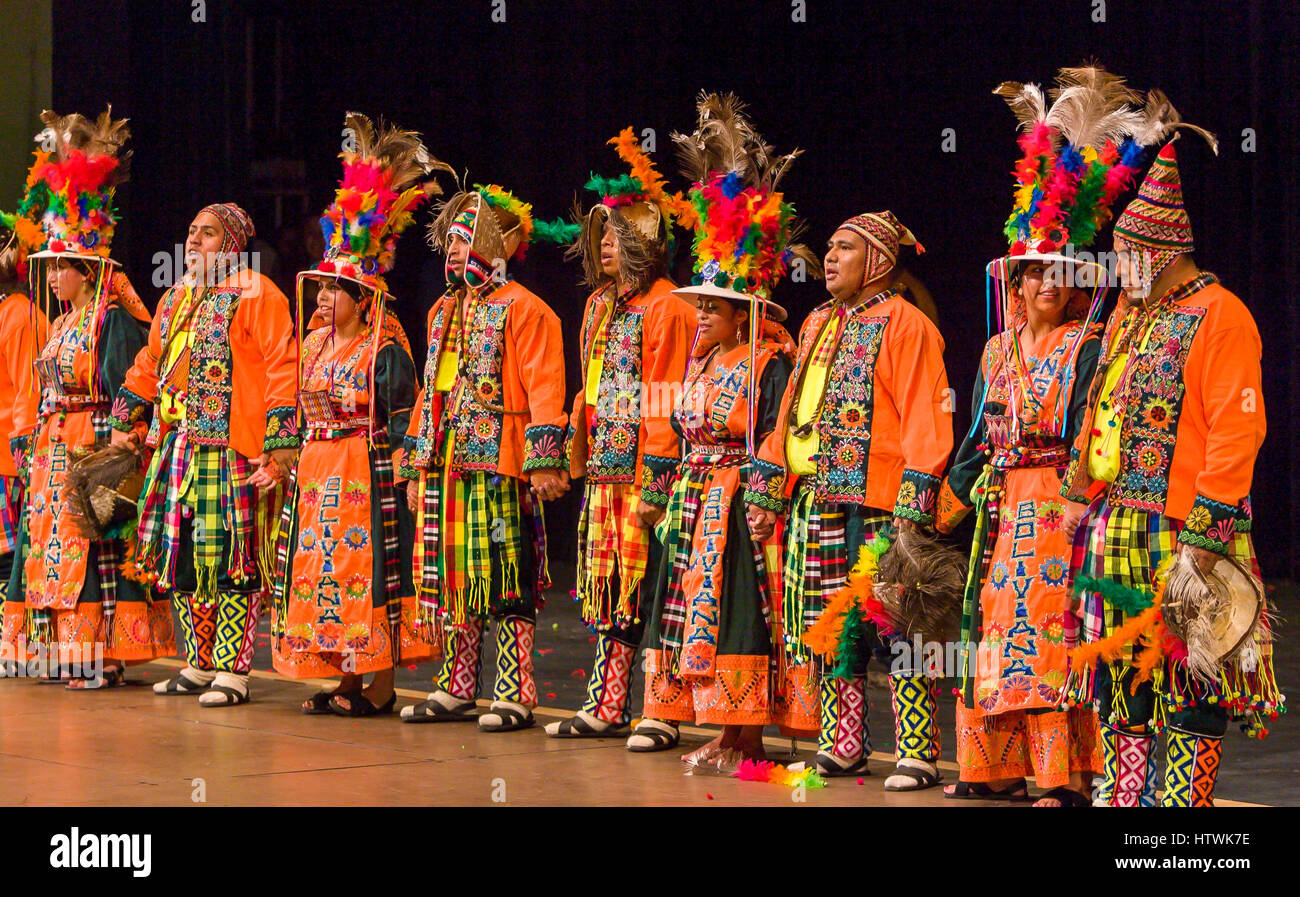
70	188
646	183
386	176
776	774
503	199
1064	186
837	634
745	232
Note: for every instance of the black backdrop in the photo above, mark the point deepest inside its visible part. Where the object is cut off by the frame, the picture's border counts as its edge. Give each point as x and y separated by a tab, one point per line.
867	89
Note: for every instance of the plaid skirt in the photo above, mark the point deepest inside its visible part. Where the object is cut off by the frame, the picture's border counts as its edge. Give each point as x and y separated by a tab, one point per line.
1128	547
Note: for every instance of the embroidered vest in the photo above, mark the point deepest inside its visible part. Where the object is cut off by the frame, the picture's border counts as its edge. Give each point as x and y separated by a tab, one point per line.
211	379
476	410
1153	404
844	425
616	425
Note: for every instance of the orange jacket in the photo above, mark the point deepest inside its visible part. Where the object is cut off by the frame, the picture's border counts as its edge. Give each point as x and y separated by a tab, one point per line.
261	412
509	391
1194	420
894	454
23	330
648	343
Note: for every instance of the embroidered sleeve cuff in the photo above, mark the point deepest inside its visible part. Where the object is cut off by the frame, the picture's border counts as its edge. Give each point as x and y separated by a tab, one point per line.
916	497
765	485
1210	525
128	410
950	510
21	448
281	429
404	468
657	478
544	448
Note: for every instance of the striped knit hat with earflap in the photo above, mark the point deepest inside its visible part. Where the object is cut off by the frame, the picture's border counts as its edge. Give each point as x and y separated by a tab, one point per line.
1156	221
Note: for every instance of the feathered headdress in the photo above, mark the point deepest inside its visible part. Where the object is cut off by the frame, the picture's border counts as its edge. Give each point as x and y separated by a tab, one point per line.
72	185
745	231
637	206
1079	154
385	179
485	217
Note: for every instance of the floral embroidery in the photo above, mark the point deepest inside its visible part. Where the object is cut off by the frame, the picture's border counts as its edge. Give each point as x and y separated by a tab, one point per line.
1154	400
356	538
617	426
1053	571
478	427
1050	515
916	497
543	448
657	478
128	409
1211	525
844	427
765	486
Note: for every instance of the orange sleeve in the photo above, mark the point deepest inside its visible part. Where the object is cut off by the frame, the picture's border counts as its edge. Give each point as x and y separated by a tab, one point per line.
919	386
21	346
1226	381
535	334
139	391
272	331
665	347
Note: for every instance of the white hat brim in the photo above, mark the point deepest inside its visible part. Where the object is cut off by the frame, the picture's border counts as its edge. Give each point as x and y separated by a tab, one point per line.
694	292
998	267
83	256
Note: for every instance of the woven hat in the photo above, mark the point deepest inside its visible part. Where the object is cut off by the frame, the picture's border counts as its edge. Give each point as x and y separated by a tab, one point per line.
1214	613
884	235
1156	220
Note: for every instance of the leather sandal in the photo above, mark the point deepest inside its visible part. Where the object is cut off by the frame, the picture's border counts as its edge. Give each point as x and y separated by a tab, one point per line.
1016	791
510	719
360	705
431	711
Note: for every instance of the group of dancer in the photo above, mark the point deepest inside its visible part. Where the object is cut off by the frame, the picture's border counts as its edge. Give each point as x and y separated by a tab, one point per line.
741	488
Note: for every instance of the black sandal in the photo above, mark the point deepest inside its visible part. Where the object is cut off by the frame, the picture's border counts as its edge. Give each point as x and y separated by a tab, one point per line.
63	678
921	778
828	767
511	720
1016	791
659	739
181	685
577	727
1067	796
319	703
433	712
360	705
233	696
111	677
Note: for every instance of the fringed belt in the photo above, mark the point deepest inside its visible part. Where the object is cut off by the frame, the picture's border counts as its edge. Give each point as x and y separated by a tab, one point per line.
68	402
724	457
1023	456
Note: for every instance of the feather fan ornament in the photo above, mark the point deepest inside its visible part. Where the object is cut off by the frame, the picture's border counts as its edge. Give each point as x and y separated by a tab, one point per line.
921	583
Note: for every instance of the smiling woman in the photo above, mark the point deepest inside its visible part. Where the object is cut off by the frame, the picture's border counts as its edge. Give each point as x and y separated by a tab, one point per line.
67	601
